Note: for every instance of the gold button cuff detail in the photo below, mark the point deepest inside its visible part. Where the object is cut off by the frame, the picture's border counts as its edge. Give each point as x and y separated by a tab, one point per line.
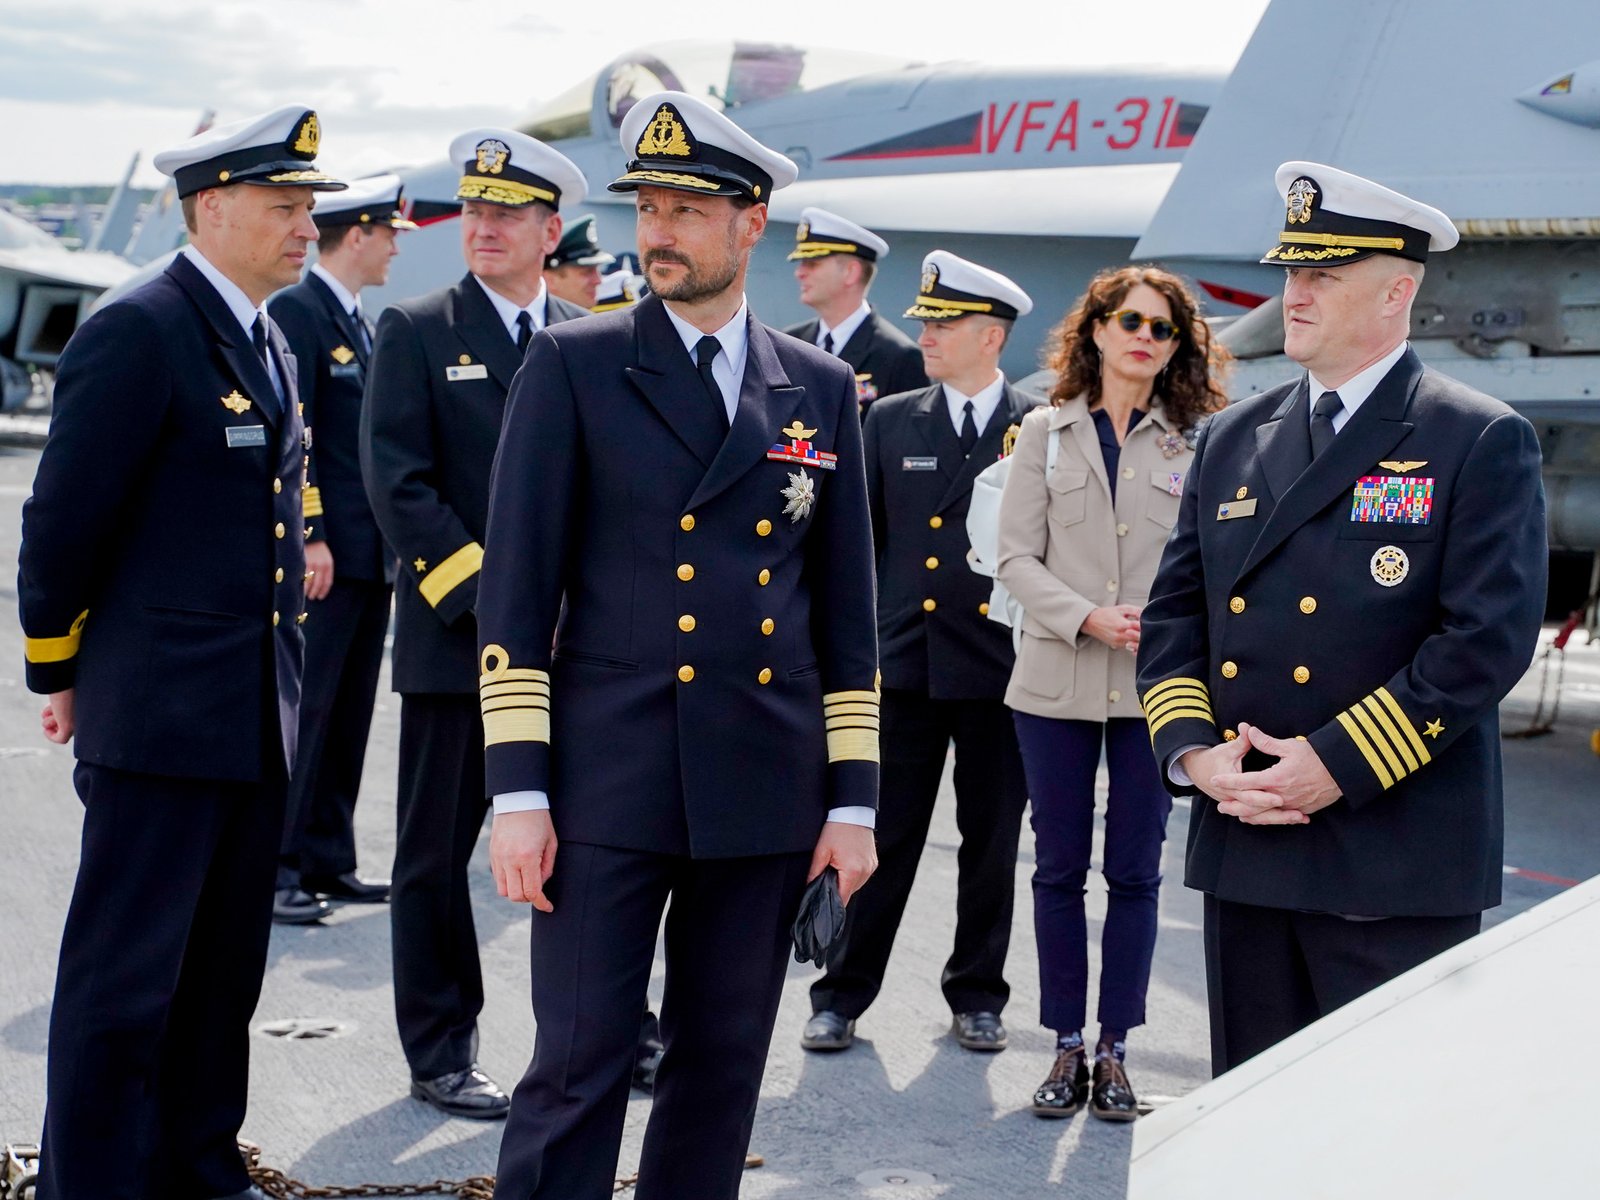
763	527
1229	670
686	522
685	673
765	676
929	605
1228	735
686	623
685	572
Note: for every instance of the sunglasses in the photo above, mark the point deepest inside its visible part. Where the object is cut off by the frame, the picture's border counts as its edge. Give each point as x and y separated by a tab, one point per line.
1130	319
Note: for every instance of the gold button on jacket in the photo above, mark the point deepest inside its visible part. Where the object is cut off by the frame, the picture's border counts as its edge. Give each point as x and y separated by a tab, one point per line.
763	527
686	522
935	522
764	578
767	626
686	673
1308	605
1302	675
686	623
932	563
685	572
929	604
1229	670
1236	604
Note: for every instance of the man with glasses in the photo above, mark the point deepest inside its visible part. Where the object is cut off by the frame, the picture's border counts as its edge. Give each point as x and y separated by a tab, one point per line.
1355	581
945	664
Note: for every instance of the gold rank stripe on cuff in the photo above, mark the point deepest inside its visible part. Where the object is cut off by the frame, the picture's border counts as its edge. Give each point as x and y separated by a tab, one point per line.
516	705
311	501
851	719
56	649
1386	737
1177	698
451	573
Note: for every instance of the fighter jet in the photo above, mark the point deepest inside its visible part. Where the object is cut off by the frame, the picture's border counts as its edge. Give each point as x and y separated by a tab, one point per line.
1501	131
1046	174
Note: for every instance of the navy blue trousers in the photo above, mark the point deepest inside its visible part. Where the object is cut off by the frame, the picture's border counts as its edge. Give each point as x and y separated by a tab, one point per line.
1060	758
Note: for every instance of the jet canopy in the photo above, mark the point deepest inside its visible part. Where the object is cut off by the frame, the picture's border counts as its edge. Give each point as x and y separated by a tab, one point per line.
727	74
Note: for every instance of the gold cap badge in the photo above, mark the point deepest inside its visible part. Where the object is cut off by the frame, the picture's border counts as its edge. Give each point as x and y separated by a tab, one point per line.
493	154
665	136
310	136
930	277
1302	195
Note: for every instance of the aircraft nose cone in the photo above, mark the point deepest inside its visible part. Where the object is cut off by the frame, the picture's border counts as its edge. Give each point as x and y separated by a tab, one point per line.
1571	96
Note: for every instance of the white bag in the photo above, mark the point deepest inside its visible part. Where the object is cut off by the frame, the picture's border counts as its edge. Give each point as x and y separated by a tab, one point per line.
983	532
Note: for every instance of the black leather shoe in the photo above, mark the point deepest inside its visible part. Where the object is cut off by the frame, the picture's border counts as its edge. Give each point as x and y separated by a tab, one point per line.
348	886
1112	1098
827	1031
468	1093
1065	1088
296	906
645	1063
980	1031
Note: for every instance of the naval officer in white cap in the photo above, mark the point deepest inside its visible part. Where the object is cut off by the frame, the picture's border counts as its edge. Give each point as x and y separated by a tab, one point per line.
678	670
945	664
835	261
435	394
1355	580
161	598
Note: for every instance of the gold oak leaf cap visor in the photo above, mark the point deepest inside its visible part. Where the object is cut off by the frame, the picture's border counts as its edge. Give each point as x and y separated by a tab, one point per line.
1332	217
275	149
502	166
953	288
822	234
677	141
378	200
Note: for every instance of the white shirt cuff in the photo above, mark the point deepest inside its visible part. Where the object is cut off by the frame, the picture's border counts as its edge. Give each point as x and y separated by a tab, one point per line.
855	815
511	802
1175	771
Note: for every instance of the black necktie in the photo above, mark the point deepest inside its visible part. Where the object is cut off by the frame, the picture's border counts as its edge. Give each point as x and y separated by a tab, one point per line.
1323	411
969	429
362	331
827	342
524	331
705	350
258	336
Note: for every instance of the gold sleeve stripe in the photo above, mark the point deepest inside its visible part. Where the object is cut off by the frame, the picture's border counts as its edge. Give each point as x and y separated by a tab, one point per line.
56	649
514	687
311	500
1199	714
1164	706
1381	743
1405	724
1180	684
451	573
1367	752
516	725
850	698
852	745
1386	723
491	703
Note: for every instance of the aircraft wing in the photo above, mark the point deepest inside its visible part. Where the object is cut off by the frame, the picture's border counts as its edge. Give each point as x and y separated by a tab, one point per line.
1421	95
89	269
1091	201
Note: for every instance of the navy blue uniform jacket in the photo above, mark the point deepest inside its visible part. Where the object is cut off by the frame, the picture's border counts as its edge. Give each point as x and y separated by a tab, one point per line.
934	632
435	397
162	549
712	686
332	359
885	360
1388	642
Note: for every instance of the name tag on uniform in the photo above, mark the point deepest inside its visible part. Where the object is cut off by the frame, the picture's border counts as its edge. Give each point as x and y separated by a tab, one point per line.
461	374
1236	508
919	464
345	371
241	436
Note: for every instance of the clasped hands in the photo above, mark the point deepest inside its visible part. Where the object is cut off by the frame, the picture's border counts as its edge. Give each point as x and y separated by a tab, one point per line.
1286	793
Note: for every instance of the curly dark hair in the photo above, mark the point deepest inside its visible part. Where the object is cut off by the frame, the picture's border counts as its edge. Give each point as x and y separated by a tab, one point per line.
1188	388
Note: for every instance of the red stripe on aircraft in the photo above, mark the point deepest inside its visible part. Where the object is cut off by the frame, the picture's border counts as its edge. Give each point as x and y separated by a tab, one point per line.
1542	877
1233	295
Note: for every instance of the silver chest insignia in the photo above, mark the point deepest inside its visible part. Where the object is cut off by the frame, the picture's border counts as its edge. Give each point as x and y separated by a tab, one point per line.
801	494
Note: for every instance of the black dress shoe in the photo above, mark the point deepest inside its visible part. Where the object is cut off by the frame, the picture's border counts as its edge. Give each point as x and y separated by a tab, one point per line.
296	906
979	1031
1065	1088
1112	1098
647	1059
468	1093
348	886
828	1031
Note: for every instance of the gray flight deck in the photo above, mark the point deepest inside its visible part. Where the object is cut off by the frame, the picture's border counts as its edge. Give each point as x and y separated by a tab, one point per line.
904	1115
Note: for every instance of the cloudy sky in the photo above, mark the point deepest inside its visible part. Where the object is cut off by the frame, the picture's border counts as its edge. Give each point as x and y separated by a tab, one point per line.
84	85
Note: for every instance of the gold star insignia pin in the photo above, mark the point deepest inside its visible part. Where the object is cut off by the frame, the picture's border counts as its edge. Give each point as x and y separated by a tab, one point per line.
421	564
234	402
1434	728
798	432
343	355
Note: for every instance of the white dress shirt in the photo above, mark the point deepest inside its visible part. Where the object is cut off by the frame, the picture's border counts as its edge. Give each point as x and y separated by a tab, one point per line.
508	311
844	330
239	305
983	403
1352	395
728	370
348	300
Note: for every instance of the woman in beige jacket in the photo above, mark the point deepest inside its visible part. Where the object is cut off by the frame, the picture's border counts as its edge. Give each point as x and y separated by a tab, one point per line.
1079	546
